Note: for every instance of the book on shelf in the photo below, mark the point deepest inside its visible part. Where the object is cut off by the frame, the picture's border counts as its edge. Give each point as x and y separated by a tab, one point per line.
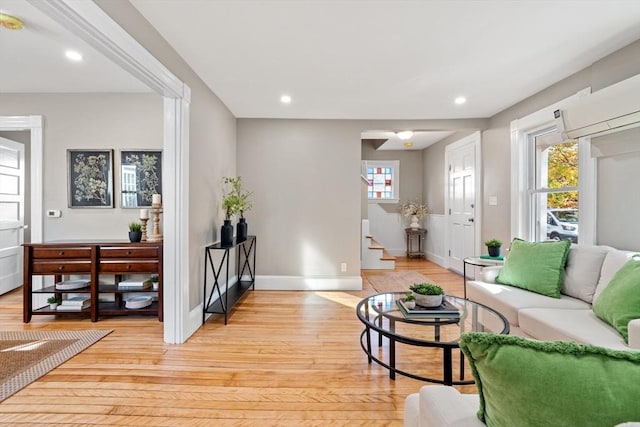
76	301
63	307
67	285
444	311
135	284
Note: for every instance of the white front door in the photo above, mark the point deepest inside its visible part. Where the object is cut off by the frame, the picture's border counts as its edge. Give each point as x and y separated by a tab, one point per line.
462	205
11	213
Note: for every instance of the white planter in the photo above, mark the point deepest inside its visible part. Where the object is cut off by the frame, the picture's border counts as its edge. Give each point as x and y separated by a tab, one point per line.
415	222
53	306
428	300
410	304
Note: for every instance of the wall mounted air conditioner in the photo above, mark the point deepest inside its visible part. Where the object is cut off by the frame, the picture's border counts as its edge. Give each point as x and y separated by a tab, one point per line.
614	108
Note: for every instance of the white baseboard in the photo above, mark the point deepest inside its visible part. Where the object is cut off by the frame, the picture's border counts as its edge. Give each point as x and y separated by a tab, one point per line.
301	283
436	259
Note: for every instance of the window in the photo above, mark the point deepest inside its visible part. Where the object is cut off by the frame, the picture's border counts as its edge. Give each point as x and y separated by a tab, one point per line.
554	192
382	180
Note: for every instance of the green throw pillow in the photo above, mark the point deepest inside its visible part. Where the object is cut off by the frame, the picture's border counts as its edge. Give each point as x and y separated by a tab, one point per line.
535	266
524	382
619	302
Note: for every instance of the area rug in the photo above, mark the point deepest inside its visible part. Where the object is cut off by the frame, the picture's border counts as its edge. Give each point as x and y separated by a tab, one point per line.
394	281
25	356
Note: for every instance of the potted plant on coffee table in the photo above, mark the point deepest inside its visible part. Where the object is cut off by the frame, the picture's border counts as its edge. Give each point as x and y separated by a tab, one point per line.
493	246
427	294
409	301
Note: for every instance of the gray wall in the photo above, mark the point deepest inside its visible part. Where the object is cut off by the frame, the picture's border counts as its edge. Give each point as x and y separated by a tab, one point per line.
88	121
305	175
496	138
212	134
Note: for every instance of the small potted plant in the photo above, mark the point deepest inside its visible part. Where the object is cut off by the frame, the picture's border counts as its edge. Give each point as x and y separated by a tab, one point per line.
53	302
135	232
235	202
409	301
493	246
427	294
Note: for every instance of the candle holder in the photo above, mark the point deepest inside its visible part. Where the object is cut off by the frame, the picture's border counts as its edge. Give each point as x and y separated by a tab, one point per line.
144	228
156	236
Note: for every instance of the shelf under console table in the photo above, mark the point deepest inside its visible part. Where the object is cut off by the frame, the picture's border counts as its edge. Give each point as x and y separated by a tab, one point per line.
91	260
228	295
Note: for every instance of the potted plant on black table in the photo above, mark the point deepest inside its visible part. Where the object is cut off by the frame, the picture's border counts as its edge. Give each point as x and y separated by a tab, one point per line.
235	202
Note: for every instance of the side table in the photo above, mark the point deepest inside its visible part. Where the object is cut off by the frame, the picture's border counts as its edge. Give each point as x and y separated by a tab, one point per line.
415	239
478	262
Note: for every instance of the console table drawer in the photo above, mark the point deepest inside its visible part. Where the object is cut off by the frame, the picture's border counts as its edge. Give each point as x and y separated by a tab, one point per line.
124	253
61	268
61	253
128	267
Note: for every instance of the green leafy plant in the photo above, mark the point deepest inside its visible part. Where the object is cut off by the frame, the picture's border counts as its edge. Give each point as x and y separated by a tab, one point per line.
409	296
154	278
135	226
493	243
237	200
52	300
427	289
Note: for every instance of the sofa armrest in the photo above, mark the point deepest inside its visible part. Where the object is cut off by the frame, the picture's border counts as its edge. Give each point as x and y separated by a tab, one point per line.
442	406
634	334
489	274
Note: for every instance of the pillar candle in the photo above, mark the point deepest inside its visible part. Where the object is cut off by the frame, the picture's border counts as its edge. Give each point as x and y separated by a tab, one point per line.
144	214
155	199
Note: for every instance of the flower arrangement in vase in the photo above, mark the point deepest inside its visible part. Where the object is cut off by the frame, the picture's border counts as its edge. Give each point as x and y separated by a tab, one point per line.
415	210
235	202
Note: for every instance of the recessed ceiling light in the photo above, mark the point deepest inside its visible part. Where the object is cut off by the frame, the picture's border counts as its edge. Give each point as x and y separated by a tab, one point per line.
460	100
285	99
408	144
405	134
73	55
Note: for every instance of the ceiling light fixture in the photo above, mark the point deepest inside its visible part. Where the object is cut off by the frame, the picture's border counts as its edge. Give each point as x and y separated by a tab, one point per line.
460	100
408	144
73	55
10	22
285	99
405	134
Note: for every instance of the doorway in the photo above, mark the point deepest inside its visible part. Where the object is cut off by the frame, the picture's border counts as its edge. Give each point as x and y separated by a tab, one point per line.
462	166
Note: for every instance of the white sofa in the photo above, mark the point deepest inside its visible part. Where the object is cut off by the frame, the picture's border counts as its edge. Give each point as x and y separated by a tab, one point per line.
569	318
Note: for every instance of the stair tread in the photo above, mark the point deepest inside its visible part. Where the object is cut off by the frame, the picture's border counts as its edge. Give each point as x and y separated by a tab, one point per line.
386	256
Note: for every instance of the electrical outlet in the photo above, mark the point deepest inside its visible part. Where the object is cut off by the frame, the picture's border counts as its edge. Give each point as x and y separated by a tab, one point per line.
343	267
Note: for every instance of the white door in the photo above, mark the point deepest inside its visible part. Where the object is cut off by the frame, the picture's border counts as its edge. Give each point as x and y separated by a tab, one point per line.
11	213
462	204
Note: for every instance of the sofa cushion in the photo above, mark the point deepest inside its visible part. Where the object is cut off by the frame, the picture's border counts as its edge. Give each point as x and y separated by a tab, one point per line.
525	382
535	266
551	324
508	300
582	273
613	262
619	302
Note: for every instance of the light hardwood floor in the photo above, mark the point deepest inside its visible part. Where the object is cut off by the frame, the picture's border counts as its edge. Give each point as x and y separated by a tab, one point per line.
285	359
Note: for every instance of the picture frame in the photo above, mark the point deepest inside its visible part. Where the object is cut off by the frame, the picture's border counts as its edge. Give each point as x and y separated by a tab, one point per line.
90	178
140	177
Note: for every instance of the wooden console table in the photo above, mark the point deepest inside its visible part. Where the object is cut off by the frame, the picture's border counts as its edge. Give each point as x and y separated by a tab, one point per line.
230	294
90	260
415	240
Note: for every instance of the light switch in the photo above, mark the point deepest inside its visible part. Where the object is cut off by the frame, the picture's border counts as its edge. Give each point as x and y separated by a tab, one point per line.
54	213
493	200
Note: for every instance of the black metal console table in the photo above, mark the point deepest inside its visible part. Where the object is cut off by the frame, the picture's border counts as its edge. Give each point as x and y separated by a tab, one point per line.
227	297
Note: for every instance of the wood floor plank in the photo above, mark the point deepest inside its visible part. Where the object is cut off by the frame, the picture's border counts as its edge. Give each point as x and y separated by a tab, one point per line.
286	358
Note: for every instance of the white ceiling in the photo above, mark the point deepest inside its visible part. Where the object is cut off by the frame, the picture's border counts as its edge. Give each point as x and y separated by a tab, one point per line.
419	141
33	61
344	59
388	59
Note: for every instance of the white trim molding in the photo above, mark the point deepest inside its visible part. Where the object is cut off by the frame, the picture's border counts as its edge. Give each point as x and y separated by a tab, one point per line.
302	283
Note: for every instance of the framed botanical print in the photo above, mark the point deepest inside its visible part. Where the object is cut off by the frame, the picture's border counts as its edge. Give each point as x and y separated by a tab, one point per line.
90	178
140	177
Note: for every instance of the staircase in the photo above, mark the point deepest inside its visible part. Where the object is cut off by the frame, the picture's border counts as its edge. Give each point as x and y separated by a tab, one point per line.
374	256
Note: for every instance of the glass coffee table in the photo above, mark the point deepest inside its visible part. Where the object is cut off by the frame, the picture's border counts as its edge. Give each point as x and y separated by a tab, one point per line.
381	316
